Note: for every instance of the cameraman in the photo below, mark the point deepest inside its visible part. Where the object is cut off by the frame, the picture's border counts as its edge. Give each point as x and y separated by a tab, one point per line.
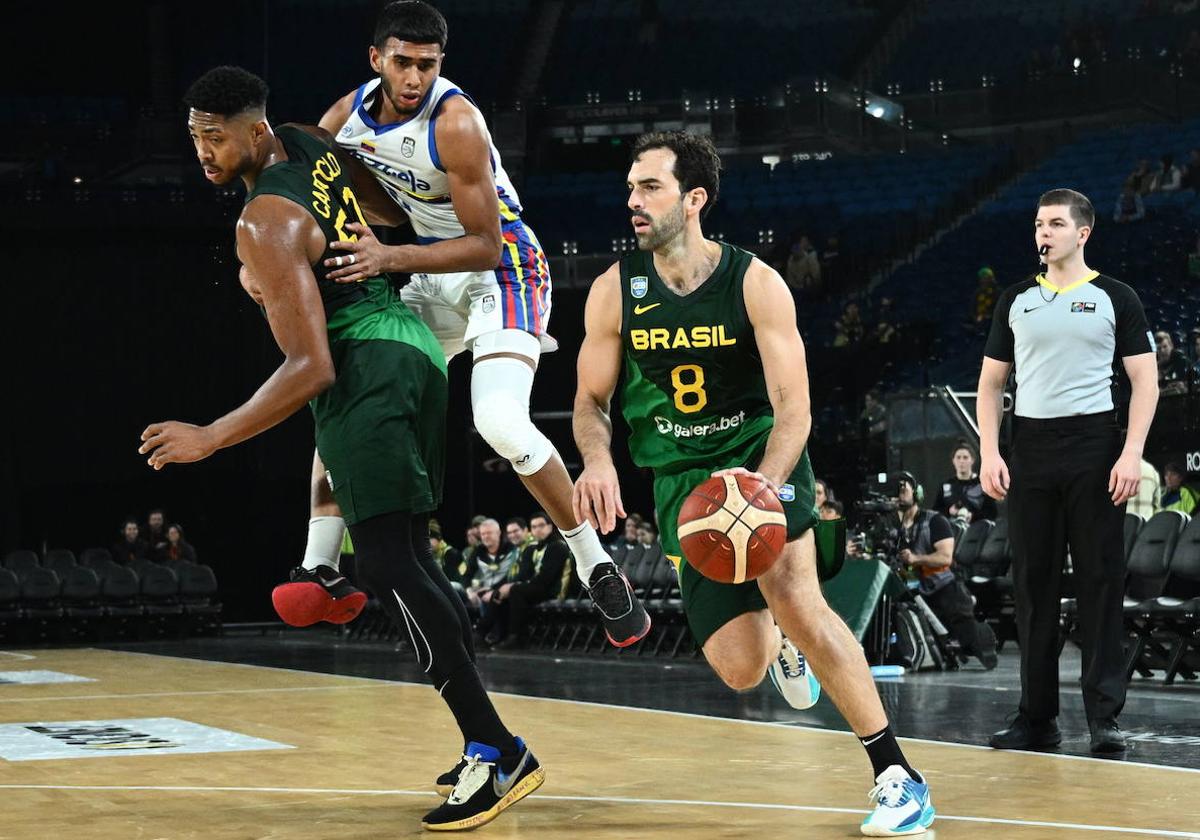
927	548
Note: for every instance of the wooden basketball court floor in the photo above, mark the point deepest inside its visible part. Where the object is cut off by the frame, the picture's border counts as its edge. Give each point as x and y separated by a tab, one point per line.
345	756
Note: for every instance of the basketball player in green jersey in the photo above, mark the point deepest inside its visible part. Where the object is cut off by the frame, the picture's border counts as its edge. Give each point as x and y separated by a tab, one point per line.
716	383
375	378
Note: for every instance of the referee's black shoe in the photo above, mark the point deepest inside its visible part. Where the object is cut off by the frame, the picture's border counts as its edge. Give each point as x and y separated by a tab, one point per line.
625	619
1107	737
1025	734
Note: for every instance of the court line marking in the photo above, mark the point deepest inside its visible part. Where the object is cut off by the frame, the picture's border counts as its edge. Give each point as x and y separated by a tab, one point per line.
616	800
770	723
200	692
24	656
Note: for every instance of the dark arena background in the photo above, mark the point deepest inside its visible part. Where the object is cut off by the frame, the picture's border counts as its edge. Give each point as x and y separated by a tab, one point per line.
884	156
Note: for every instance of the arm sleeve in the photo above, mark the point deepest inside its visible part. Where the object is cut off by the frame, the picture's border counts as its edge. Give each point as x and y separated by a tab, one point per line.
939	529
1000	340
1133	332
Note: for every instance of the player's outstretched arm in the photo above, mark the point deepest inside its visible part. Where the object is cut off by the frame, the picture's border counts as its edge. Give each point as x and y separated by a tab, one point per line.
274	237
466	156
597	496
773	316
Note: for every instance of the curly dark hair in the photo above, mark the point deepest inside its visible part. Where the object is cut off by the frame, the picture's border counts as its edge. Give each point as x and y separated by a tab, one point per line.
697	163
1082	212
227	91
411	20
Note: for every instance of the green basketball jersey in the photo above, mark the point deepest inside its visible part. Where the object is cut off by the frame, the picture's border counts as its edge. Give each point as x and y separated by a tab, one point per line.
694	384
312	177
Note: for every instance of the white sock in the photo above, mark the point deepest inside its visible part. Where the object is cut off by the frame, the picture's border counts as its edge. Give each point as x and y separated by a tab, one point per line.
324	547
586	548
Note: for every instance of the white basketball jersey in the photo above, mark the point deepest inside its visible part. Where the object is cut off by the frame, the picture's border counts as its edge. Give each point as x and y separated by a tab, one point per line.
405	160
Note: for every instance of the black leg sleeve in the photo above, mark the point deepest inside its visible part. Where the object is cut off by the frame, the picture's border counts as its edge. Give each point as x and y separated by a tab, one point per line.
431	615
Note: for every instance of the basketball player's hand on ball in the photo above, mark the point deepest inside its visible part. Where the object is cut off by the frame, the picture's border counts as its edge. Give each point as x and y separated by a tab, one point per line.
358	259
597	498
743	471
173	442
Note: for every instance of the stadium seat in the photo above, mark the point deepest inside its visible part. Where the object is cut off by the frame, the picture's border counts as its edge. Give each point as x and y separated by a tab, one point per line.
21	561
40	605
61	560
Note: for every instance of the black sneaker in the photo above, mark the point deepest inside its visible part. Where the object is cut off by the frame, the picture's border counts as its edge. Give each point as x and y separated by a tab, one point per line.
483	789
320	594
1107	737
1024	734
625	619
445	783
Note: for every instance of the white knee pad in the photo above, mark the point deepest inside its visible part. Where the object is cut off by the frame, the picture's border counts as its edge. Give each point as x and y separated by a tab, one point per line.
500	402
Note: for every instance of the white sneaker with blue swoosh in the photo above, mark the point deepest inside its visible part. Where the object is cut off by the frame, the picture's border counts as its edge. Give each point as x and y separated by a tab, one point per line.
484	789
902	805
792	677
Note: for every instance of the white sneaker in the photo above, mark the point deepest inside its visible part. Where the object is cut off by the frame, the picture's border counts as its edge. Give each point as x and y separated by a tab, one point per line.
793	678
902	805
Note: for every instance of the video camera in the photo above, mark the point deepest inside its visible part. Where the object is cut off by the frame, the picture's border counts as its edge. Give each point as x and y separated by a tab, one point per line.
879	527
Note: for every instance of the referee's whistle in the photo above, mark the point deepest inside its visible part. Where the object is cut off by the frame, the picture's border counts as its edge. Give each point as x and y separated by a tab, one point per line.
1045	249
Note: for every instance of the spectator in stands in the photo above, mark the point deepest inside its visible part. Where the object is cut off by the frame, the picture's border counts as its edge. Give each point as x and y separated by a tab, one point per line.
1194	335
929	553
1148	499
831	509
849	327
1142	178
1191	172
962	495
472	535
460	571
1176	495
155	535
647	533
803	272
1168	178
627	536
823	494
985	295
492	624
130	548
831	260
874	416
492	559
516	531
1129	205
176	548
884	331
1173	366
547	571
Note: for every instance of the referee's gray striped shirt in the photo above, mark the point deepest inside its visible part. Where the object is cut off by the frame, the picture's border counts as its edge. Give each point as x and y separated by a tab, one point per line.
1065	343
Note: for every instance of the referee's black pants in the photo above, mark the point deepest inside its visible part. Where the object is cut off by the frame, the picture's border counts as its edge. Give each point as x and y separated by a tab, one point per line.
1059	497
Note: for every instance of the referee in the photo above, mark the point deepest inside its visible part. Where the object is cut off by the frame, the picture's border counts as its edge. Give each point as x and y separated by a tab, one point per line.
1071	473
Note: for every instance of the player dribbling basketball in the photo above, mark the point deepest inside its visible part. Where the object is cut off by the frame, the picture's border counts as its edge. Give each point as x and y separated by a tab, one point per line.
716	380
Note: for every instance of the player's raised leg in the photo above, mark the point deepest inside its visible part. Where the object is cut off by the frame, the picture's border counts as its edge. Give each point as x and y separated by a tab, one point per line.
501	383
316	589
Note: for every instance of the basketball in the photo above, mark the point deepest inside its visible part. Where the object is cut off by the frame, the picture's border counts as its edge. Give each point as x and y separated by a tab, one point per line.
732	528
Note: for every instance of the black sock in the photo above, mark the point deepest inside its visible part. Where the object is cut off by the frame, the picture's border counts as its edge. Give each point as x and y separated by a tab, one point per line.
883	751
473	709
